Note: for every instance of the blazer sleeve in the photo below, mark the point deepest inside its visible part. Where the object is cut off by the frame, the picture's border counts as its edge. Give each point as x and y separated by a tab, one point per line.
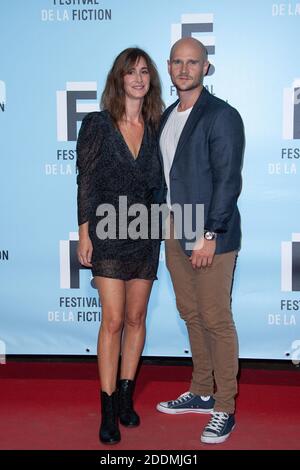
226	157
88	153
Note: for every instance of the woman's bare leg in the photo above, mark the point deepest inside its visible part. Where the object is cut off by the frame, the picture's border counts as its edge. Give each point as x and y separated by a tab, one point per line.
112	295
137	297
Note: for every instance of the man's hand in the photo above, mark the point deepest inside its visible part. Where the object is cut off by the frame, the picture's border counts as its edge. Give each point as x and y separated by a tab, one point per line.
203	254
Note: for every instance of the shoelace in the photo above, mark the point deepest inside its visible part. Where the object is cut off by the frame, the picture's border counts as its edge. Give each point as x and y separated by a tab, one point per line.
217	420
182	398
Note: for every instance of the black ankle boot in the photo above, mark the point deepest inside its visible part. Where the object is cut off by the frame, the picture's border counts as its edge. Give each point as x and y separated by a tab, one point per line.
128	417
109	431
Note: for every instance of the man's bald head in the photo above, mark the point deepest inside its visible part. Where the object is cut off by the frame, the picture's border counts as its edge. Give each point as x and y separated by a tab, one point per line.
190	42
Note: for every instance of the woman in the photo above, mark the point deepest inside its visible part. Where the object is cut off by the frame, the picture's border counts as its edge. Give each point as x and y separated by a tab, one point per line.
116	157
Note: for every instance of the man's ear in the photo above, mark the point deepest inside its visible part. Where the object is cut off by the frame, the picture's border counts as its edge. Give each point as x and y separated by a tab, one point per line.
169	65
206	67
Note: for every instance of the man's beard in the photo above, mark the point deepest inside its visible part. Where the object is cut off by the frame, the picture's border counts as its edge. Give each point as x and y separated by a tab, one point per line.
192	86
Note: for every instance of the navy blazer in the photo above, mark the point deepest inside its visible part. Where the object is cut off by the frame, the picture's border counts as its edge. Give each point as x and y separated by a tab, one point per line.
207	168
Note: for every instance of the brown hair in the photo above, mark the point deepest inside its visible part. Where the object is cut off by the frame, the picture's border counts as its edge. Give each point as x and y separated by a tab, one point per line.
113	96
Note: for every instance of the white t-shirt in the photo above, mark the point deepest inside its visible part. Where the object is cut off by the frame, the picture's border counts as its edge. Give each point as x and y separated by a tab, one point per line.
169	140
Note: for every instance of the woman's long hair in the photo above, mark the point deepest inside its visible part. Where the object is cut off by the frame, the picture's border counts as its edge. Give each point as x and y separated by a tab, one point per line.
113	96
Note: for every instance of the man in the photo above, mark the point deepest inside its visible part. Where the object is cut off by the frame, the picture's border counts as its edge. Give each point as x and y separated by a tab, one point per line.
201	142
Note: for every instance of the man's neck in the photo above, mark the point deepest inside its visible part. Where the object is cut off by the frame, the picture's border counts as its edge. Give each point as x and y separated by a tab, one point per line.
188	98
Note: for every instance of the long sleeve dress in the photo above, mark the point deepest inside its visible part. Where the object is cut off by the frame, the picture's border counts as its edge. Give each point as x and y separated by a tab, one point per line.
107	170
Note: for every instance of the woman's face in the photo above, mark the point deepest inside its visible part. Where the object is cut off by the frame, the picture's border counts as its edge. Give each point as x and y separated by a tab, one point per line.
137	80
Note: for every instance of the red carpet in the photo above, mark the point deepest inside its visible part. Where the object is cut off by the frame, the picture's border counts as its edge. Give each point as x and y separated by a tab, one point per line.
56	406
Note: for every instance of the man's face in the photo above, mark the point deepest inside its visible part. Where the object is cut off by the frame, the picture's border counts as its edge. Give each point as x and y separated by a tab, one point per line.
187	67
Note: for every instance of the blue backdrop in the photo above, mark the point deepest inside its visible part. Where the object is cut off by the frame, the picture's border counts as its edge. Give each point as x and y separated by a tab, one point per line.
55	55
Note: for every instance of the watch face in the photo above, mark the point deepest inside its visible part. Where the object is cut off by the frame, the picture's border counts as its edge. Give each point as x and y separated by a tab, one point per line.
209	235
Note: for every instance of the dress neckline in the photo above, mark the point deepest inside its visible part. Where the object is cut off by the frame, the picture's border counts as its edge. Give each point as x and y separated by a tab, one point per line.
125	145
134	157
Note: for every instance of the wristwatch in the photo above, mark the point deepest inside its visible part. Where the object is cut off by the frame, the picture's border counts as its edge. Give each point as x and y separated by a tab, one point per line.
209	235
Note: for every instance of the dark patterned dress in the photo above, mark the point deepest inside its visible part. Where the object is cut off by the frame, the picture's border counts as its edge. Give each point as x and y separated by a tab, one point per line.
107	170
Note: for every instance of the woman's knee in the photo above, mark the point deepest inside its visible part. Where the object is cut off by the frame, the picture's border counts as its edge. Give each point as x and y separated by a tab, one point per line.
135	319
112	325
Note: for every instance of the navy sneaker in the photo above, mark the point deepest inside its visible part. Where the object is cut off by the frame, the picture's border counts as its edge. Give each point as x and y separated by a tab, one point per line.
188	402
219	428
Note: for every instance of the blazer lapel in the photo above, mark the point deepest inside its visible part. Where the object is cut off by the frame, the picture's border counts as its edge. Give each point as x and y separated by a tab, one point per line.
193	119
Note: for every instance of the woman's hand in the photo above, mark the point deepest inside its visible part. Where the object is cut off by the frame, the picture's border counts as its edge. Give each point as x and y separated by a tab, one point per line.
84	251
84	247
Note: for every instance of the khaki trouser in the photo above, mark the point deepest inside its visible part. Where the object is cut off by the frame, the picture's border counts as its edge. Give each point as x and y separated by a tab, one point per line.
203	298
